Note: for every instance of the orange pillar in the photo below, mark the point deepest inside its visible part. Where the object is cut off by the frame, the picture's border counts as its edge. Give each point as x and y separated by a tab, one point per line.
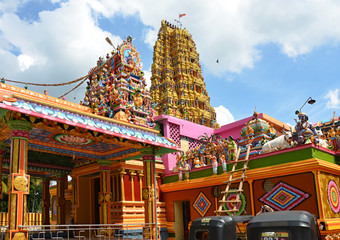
46	201
18	179
61	184
105	194
148	193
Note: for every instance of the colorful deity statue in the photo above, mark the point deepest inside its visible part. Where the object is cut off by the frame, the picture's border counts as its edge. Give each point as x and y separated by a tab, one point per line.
232	148
214	163
197	163
180	173
223	162
249	132
306	131
186	171
332	139
271	131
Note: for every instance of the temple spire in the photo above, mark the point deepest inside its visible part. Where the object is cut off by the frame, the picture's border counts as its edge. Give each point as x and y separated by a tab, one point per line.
177	85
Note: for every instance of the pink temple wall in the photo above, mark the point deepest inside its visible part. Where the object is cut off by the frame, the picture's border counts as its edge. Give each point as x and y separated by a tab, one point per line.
193	131
186	129
232	129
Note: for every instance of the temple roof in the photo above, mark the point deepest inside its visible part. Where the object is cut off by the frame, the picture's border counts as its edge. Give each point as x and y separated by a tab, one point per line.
71	130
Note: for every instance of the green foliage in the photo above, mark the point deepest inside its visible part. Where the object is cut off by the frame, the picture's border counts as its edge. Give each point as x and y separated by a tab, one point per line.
35	197
4	200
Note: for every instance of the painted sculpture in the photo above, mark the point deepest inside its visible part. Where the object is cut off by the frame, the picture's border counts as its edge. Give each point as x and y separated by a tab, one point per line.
212	152
306	132
177	84
282	142
256	132
116	87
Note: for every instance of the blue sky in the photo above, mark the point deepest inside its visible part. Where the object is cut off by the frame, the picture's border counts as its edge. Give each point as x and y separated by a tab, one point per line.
273	55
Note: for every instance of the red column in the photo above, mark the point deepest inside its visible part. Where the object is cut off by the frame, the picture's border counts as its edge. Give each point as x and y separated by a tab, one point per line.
61	184
46	202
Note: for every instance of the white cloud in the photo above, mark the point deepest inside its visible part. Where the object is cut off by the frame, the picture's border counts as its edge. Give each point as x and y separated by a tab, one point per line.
232	31
223	115
333	99
147	76
61	46
151	37
25	62
63	43
10	5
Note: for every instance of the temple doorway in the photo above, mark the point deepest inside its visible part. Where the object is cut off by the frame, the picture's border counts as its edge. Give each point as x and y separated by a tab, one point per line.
95	206
182	219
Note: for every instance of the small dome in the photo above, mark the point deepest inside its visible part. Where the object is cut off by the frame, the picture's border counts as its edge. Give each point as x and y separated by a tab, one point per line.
258	126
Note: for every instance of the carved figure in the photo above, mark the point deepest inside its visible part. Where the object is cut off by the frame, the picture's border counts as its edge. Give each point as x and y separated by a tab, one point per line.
322	141
213	162
271	131
332	139
224	163
186	171
232	148
249	131
281	142
305	130
138	99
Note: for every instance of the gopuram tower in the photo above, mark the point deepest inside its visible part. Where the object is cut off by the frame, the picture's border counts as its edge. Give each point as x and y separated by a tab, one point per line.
177	84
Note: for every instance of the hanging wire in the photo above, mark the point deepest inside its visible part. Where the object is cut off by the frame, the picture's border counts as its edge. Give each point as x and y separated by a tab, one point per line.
82	79
47	84
73	88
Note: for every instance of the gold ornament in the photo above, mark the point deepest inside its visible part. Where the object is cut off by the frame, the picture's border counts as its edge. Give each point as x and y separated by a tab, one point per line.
20	183
108	197
19	236
100	198
145	193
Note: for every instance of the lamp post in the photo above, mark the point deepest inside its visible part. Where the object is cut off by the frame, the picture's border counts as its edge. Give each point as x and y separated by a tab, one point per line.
309	100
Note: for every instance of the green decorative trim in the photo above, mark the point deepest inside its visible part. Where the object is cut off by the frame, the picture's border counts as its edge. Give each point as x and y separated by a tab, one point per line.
60	175
278	159
103	162
148	151
41	169
48	158
19	125
3	112
171	235
293	156
324	156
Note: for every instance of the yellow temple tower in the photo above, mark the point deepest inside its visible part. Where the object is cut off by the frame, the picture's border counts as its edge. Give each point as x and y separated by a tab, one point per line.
177	84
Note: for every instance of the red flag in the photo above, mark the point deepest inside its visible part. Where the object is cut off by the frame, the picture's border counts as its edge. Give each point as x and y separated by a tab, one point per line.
182	15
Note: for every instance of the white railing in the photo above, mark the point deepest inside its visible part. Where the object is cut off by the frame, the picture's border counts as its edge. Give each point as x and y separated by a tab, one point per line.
93	231
3	230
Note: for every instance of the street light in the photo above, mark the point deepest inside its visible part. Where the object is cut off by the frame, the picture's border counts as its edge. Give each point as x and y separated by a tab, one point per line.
108	40
309	100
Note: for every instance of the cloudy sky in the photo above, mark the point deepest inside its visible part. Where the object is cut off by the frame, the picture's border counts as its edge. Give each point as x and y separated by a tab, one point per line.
273	55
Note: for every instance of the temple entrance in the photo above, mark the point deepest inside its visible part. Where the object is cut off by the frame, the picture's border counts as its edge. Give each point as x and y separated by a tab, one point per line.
96	205
186	218
182	219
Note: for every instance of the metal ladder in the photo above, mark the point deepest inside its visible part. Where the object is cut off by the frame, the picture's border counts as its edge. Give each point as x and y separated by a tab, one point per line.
227	190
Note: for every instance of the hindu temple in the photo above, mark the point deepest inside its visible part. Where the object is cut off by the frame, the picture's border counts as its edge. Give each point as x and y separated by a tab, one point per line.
129	162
